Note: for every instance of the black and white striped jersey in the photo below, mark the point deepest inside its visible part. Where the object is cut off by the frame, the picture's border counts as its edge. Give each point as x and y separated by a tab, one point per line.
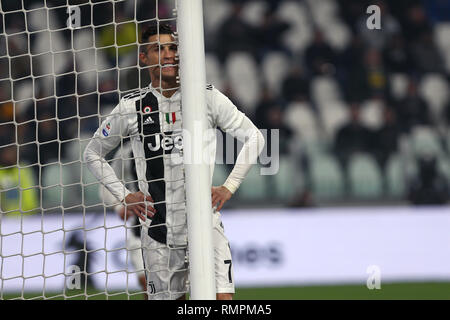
154	125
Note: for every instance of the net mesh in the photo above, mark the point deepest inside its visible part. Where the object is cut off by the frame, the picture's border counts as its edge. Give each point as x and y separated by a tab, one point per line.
64	65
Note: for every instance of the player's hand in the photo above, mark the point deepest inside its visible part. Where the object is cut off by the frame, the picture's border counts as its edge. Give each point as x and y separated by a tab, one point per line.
122	214
135	204
219	196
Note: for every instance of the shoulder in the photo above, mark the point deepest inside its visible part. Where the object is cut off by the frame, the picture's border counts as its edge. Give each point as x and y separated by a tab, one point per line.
135	94
214	97
127	103
222	111
210	91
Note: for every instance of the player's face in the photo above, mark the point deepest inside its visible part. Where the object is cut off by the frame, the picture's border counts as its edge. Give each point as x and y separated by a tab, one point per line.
160	55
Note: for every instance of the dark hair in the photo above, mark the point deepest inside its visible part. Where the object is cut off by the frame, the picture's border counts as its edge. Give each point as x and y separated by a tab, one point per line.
155	29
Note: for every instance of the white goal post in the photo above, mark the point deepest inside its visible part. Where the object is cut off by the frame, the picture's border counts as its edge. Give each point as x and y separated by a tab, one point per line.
198	180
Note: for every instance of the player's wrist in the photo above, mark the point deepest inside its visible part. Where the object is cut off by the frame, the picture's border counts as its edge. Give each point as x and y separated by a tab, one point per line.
230	187
118	207
126	194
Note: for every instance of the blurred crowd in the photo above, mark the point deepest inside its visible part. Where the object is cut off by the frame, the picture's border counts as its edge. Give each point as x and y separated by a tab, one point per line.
355	107
364	99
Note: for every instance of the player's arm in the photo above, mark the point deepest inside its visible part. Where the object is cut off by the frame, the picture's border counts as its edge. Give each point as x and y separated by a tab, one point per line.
236	123
123	170
107	137
117	165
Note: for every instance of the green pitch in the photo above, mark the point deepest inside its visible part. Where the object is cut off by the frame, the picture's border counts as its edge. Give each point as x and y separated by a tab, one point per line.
402	291
394	291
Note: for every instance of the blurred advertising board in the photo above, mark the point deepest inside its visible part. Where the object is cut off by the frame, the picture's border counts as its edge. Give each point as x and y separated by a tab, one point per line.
270	247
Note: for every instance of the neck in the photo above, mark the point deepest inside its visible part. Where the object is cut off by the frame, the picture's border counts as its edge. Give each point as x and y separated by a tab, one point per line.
168	87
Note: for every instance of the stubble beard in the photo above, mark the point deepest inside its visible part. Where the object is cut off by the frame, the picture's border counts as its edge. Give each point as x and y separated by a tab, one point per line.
165	79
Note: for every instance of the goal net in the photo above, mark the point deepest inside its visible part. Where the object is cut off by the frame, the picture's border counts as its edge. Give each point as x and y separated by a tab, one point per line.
64	65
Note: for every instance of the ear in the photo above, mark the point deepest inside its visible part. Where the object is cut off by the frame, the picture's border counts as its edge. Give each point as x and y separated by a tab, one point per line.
143	58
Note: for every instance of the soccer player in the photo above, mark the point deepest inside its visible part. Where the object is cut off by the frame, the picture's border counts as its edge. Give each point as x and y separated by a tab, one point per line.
151	117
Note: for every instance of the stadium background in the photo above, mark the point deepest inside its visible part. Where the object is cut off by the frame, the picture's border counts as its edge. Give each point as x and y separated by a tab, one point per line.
363	114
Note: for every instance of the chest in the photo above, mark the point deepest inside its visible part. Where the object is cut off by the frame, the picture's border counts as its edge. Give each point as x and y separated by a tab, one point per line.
159	125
